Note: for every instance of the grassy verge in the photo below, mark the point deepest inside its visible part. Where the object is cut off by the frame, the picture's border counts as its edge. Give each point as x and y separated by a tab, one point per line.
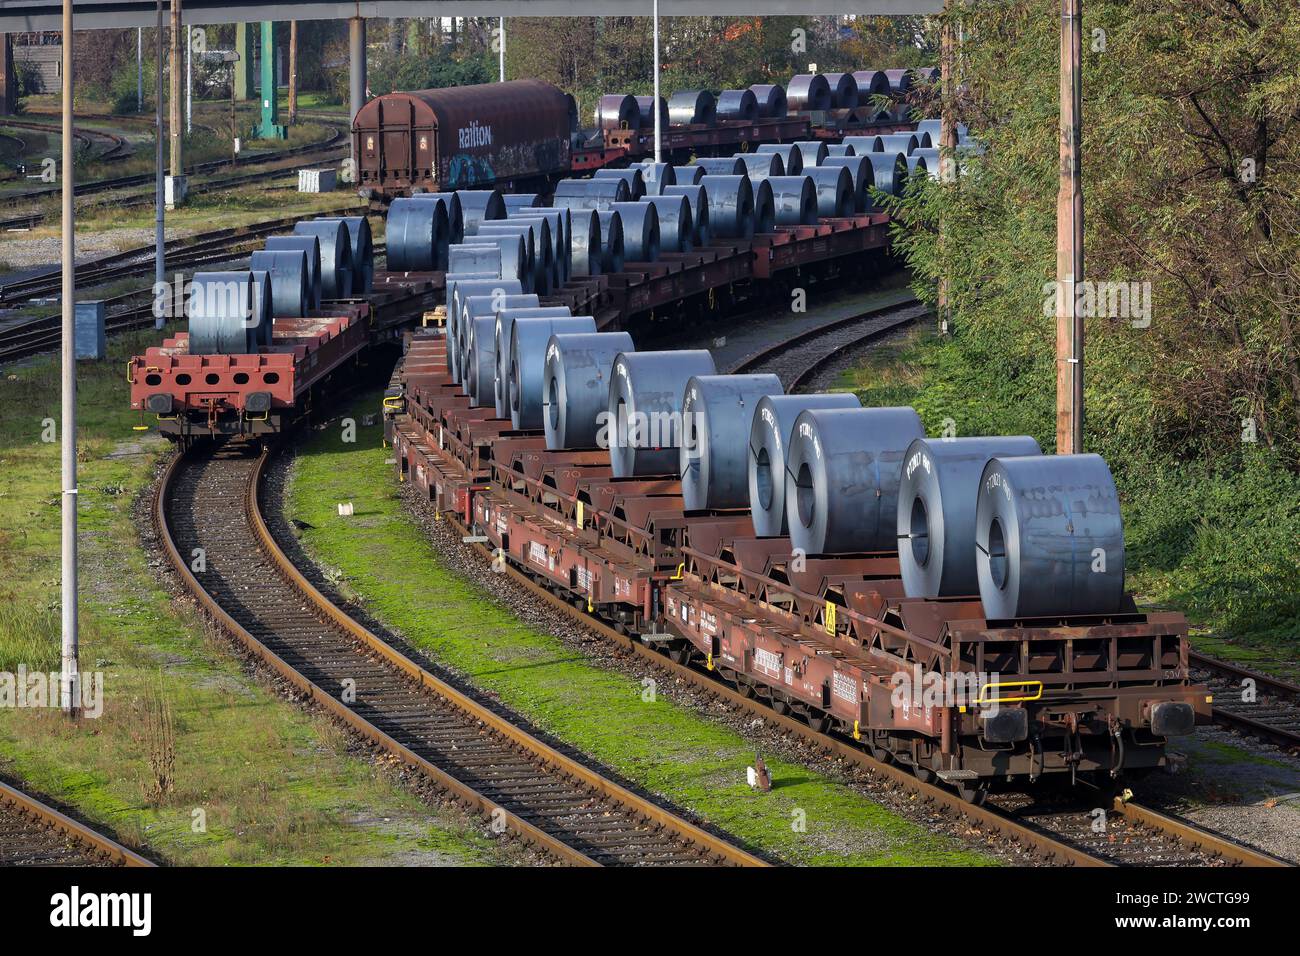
1215	543
253	779
389	566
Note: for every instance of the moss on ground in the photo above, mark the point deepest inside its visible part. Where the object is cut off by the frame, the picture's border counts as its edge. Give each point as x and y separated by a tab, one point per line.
387	563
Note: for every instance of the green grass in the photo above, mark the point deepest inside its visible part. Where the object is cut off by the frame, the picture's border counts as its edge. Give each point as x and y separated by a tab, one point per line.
386	563
276	785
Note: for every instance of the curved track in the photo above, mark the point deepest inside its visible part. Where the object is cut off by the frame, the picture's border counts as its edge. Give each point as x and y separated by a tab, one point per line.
208	502
34	834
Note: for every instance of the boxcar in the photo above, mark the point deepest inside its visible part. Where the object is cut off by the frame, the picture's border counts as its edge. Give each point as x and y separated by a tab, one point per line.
500	135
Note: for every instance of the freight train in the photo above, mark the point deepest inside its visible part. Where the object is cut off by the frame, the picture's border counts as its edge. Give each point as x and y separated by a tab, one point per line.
524	135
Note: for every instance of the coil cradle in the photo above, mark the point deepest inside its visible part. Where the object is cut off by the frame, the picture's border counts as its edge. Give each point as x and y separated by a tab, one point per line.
476	307
418	235
618	111
310	246
794	200
290	294
459	288
737	105
698	199
769	441
644	409
720	166
335	255
528	340
576	386
731	206
228	314
808	92
611	234
889	174
507	252
761	165
363	253
690	107
689	175
717	414
791	156
586	248
656	176
478	206
861	178
632	176
811	153
578	194
1049	538
842	477
501	338
771	99
937	496
844	90
676	229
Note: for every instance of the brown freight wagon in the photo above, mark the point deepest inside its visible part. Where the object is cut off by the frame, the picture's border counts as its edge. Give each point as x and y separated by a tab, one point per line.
493	135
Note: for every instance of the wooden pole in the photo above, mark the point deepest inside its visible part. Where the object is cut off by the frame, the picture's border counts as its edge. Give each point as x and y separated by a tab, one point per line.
947	153
69	683
1069	239
175	98
293	72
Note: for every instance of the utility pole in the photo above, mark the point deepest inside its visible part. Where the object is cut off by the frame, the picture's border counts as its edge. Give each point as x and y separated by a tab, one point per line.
1069	239
69	681
356	78
655	105
189	82
947	153
139	69
502	52
175	100
160	244
293	72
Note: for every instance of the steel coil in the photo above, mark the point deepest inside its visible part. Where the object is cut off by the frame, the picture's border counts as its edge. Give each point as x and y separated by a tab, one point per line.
840	149
812	152
934	127
864	144
834	187
931	159
861	178
769	442
483	258
764	208
460	287
310	246
640	231
290	294
761	165
737	105
644	409
925	74
791	157
870	83
841	478
676	230
689	175
917	167
771	100
417	235
501	334
731	206
900	81
335	255
575	389
528	340
585	246
262	305
611	236
560	222
721	166
794	200
618	111
937	499
699	201
473	308
687	107
227	314
515	201
537	233
480	361
903	143
632	176
512	260
844	90
645	105
1049	538
363	253
889	174
455	217
807	92
478	206
656	176
717	414
589	193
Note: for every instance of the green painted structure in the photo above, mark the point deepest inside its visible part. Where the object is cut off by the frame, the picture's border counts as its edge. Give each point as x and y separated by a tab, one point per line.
270	126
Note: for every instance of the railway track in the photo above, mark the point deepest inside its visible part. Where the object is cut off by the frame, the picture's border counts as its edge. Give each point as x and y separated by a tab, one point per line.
34	834
1271	712
209	500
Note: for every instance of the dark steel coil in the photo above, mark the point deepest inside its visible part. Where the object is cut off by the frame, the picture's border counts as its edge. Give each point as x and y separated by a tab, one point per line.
771	100
335	255
512	259
478	206
656	176
931	158
844	90
589	193
644	409
864	144
460	287
515	201
794	200
688	175
900	81
474	308
870	83
917	167
481	257
840	149
676	230
904	143
417	235
769	443
528	340
934	127
687	107
791	156
807	92
505	323
227	314
618	111
861	178
584	243
480	361
290	293
1049	538
640	231
560	222
455	217
737	105
717	414
761	165
363	253
632	176
699	201
310	246
720	166
841	478
937	498
889	174
731	206
538	232
612	253
575	389
645	105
